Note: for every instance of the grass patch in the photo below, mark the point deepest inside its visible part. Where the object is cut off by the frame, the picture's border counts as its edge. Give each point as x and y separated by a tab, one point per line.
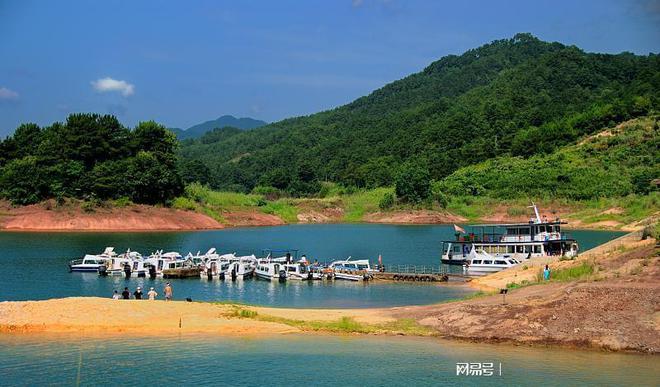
343	325
281	208
582	270
515	285
362	202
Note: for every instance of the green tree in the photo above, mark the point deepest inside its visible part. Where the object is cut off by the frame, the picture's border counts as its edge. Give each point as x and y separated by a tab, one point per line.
22	181
413	182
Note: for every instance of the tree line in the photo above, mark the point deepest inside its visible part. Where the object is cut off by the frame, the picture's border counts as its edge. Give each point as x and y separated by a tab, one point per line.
90	156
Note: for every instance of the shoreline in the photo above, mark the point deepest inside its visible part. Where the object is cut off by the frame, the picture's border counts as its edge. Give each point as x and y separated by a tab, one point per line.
46	217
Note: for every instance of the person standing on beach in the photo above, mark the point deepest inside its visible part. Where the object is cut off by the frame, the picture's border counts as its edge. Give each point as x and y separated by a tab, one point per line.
115	295
168	292
152	294
126	295
138	293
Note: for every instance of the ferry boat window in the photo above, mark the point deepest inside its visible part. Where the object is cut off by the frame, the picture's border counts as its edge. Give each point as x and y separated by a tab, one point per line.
557	228
488	262
362	267
524	231
528	249
511	231
500	263
541	228
476	261
520	249
511	262
537	249
511	249
457	249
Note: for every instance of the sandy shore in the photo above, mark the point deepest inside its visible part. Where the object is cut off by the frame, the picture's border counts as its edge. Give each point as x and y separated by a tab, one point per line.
102	315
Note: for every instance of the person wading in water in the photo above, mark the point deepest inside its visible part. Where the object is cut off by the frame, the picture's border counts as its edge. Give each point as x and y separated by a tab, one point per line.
168	292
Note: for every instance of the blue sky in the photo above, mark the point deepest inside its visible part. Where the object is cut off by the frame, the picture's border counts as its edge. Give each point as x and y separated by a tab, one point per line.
181	63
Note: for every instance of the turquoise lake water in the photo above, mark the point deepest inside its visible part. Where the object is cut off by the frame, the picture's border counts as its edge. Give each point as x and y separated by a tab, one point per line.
38	263
305	360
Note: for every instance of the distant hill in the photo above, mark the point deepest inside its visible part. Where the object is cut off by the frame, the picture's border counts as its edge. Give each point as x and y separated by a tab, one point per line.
516	97
198	130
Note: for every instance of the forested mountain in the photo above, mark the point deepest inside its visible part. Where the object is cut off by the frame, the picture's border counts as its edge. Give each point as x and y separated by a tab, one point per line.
512	97
196	131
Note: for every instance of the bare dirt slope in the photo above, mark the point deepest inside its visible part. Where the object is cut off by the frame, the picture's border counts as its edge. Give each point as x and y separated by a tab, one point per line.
616	308
44	217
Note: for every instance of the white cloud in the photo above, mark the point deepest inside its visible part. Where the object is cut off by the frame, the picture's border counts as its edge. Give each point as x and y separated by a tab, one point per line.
104	85
8	94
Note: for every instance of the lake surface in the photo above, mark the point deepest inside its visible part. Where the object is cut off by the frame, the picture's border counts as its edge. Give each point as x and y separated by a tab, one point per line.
305	359
35	264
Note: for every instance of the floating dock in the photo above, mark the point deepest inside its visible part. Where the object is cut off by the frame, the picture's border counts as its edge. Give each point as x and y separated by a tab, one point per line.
413	273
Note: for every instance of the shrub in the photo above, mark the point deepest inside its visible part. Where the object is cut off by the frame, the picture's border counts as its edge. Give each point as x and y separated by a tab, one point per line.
270	193
184	203
651	231
387	201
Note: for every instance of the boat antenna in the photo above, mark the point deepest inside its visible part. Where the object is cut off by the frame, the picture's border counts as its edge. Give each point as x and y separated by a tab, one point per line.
536	212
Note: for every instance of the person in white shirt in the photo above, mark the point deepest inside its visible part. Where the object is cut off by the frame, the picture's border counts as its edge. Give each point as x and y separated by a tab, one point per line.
152	294
115	295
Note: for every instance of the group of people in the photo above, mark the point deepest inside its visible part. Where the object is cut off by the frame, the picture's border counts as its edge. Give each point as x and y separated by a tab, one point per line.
137	294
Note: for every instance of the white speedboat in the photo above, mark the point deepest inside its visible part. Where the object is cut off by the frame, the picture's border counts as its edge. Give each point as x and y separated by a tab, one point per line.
201	259
352	270
129	264
271	271
245	265
297	271
92	262
159	261
482	263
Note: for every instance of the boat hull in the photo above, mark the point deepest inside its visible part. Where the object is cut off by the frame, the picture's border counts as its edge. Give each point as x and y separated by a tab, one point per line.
85	269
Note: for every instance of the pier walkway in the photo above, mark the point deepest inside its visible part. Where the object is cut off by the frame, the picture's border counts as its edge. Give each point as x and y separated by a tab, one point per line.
415	273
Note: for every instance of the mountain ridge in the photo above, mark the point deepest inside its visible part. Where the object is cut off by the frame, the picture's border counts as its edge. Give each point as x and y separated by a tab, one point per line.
198	130
518	96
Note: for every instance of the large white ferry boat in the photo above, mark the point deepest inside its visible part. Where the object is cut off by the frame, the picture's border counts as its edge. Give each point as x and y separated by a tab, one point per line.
508	244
